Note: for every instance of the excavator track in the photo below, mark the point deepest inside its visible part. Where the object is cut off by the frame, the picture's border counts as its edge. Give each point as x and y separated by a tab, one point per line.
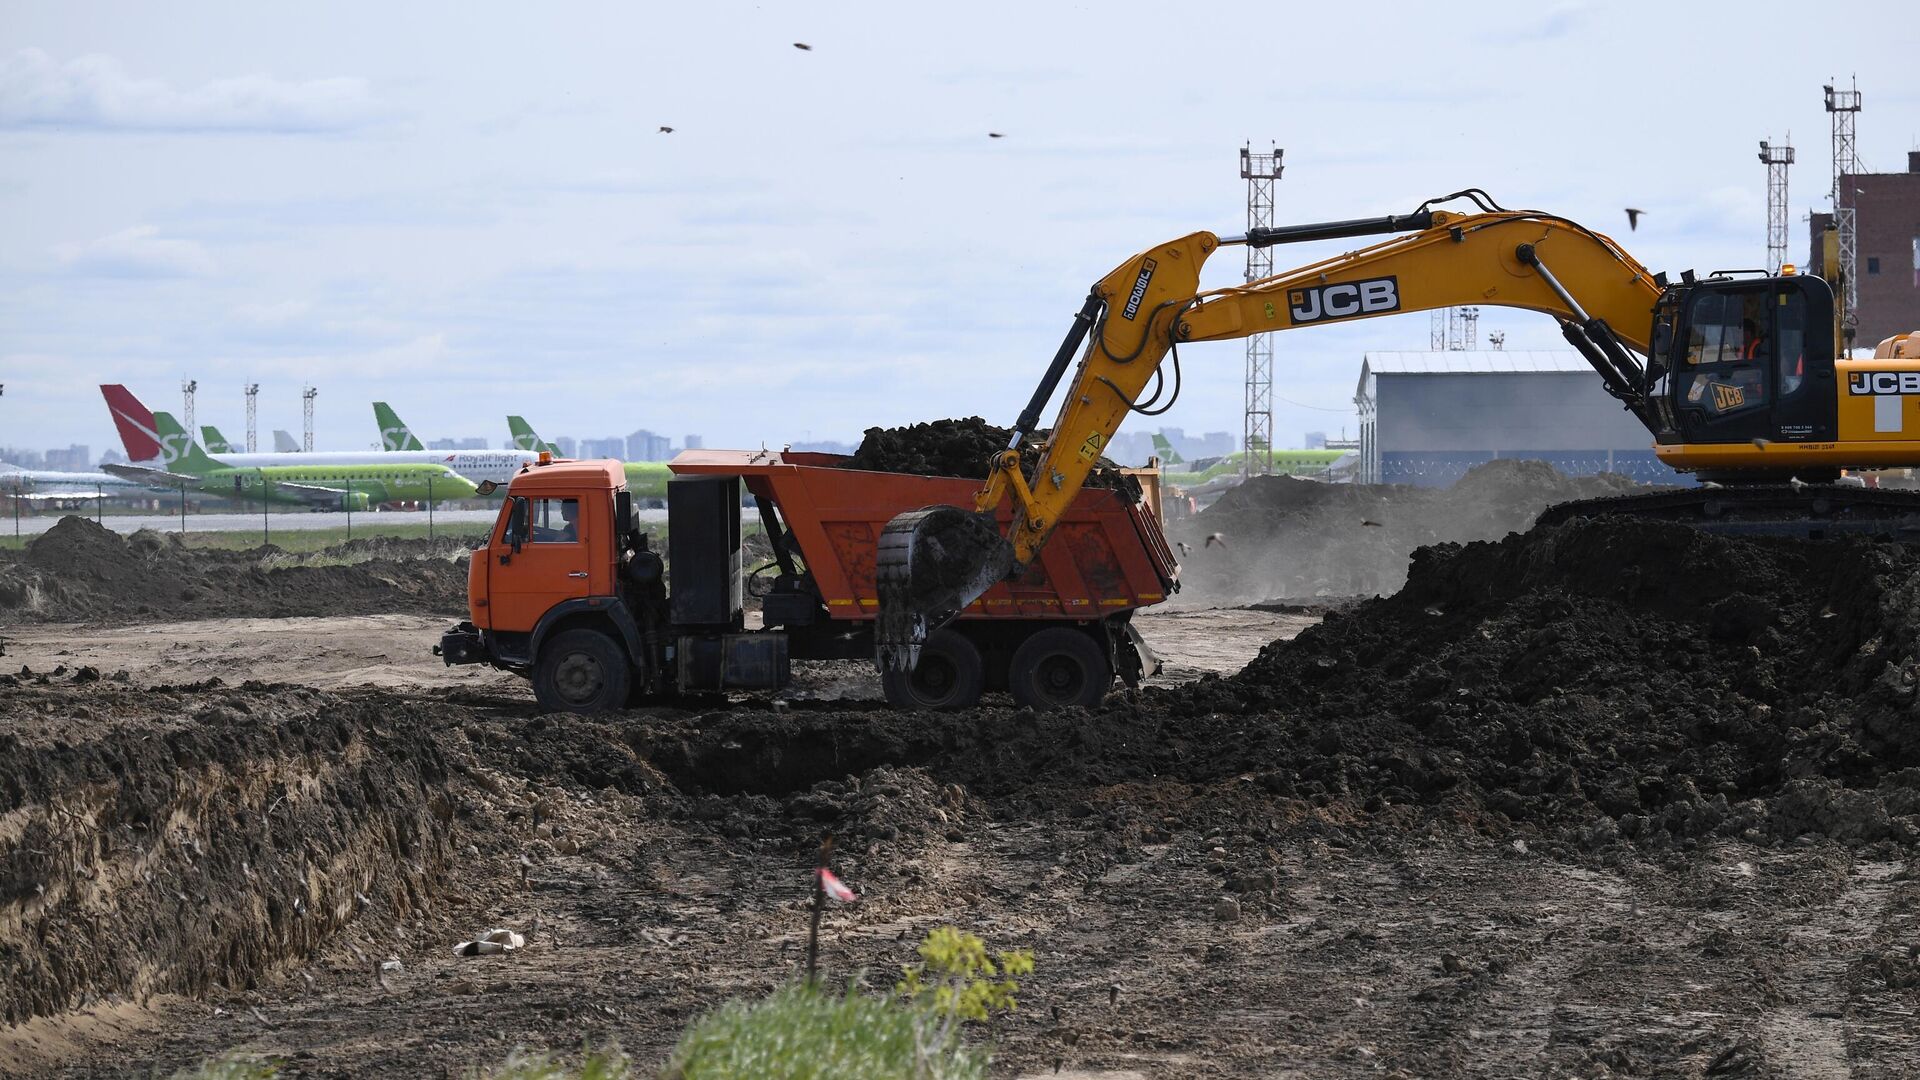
1807	511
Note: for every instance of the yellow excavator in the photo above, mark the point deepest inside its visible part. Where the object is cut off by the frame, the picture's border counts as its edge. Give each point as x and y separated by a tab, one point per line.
1733	374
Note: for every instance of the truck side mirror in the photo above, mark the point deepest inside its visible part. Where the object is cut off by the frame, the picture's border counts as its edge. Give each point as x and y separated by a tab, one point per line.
517	525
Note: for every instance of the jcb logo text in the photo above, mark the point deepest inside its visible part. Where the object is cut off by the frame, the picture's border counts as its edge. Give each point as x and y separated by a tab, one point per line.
1883	382
1346	300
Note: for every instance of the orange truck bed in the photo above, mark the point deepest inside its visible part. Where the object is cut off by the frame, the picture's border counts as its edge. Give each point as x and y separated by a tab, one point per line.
1107	556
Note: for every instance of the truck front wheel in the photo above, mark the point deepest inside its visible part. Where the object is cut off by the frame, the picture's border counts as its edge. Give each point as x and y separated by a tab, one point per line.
1057	667
581	671
950	675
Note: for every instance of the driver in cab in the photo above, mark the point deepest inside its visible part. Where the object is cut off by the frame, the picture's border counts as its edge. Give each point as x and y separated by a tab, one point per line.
565	530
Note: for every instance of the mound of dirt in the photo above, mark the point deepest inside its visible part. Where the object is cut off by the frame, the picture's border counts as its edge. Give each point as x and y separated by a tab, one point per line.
1588	683
1281	536
78	570
1610	678
961	448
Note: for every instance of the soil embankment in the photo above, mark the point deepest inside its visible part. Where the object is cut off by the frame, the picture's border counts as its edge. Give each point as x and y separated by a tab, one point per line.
79	571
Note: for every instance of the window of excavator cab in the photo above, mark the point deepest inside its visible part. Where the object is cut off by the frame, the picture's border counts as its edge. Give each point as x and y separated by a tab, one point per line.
556	521
1728	338
1790	338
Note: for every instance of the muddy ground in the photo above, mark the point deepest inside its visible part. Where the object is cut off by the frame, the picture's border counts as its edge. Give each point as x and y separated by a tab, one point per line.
1598	801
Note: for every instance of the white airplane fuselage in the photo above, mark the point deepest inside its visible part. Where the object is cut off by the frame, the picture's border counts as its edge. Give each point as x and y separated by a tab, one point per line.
478	466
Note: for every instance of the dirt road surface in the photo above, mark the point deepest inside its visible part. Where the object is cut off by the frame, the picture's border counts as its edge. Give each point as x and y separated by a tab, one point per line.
392	652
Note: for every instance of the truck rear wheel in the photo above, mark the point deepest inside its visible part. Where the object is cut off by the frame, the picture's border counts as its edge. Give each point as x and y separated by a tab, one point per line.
950	675
581	671
1057	667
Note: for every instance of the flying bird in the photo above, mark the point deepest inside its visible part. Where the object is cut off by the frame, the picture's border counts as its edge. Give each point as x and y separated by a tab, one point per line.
1182	545
1216	538
1370	524
1633	218
803	46
1761	444
995	135
665	130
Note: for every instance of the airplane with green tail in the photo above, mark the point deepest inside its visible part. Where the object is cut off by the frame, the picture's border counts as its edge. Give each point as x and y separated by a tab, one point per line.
186	466
217	443
394	433
647	480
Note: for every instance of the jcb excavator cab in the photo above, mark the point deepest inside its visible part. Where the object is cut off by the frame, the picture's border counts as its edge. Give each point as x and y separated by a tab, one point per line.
1737	359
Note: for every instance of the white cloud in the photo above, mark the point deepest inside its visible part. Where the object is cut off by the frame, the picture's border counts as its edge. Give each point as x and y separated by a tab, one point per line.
138	252
93	93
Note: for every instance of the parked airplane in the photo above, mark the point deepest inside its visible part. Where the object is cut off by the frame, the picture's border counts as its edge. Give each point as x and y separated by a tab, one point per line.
647	480
217	443
1285	463
285	443
60	486
394	434
478	466
185	465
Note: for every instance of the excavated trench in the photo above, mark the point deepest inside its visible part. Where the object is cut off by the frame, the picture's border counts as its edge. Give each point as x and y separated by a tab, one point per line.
204	845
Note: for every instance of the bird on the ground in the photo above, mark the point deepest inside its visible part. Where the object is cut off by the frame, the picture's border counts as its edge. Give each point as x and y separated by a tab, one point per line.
1796	483
803	46
1216	538
995	135
665	130
1633	218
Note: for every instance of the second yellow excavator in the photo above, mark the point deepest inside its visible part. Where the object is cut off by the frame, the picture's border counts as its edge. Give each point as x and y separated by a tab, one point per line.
1733	374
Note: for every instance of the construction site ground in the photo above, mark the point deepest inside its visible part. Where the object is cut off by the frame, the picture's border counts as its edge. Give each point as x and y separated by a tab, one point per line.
1517	819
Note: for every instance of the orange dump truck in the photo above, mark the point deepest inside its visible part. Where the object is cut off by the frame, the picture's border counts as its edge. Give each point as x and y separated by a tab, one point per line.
568	591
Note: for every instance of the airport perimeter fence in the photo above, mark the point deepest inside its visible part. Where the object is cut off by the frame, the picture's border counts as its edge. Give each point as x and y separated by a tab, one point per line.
267	510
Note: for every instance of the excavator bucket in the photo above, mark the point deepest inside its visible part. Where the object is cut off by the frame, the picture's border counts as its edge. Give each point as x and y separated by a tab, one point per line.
931	564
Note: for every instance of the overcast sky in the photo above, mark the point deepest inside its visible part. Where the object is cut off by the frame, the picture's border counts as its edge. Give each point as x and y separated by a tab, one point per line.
468	209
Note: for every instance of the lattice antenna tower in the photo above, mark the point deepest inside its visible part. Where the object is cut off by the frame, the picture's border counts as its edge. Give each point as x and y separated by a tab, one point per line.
187	387
1447	330
1469	338
1256	428
307	394
1844	107
1776	159
253	412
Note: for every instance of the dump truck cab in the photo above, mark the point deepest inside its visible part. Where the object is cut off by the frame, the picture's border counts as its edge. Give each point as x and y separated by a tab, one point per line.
560	590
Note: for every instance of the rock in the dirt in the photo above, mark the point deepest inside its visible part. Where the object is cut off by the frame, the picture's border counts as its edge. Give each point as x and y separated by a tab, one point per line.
1226	909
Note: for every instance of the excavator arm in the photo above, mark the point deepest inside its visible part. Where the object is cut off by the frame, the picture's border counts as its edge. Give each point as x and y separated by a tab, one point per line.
935	561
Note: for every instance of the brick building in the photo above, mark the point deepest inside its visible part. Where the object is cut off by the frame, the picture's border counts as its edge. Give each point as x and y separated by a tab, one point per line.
1888	210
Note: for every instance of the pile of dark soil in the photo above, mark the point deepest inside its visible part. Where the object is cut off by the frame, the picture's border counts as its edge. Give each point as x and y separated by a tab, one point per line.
961	448
1280	536
1587	684
1610	678
78	570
